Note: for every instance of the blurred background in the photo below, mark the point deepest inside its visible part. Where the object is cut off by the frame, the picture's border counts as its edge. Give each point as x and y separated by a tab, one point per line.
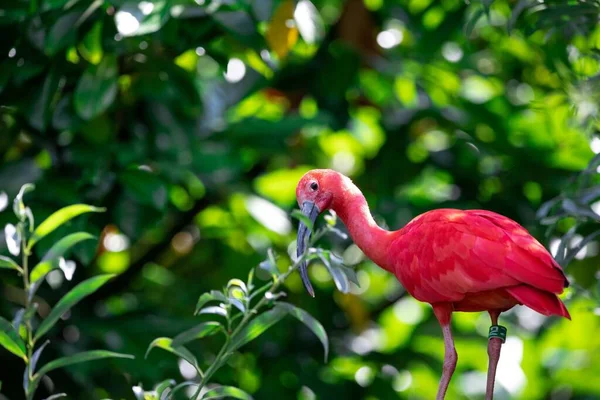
192	121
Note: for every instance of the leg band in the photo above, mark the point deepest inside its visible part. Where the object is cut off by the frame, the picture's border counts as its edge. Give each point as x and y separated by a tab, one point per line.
497	331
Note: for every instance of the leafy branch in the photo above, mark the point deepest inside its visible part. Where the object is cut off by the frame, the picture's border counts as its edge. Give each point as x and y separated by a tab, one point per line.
248	311
19	336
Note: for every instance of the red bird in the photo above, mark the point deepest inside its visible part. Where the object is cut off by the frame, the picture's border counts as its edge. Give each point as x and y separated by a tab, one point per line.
455	260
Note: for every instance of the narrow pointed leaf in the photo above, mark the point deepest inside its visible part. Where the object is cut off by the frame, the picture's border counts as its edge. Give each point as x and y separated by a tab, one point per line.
207	297
10	340
18	319
166	344
237	304
258	326
312	324
222	392
340	279
56	396
32	364
8	263
164	385
73	297
50	260
78	358
573	252
180	386
303	218
59	218
18	205
214	310
199	331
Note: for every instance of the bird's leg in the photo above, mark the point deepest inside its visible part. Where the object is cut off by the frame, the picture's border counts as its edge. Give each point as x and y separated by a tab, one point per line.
496	338
443	314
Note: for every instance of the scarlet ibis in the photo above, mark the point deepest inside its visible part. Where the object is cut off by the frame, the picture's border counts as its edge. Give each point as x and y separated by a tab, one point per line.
455	260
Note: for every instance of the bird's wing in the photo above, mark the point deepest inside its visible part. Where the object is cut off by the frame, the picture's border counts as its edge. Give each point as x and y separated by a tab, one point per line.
449	253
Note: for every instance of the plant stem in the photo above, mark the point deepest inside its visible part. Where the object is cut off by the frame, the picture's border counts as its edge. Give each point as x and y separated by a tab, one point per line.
28	329
224	354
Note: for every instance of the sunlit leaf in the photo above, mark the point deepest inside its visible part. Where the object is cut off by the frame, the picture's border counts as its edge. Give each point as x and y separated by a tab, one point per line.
257	326
58	218
73	297
214	295
141	18
13	239
281	35
308	320
76	359
18	204
223	392
51	258
10	340
180	351
197	332
213	310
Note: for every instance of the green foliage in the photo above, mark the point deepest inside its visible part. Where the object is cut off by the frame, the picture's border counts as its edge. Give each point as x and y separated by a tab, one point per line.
20	337
238	302
192	122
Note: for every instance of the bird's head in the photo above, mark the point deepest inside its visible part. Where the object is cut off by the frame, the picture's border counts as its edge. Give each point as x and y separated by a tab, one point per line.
316	192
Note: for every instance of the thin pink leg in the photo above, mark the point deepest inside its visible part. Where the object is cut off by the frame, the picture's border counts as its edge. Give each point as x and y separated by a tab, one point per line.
443	314
494	347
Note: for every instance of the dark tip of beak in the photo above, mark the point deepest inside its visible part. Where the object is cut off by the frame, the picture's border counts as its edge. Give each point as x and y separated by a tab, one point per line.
310	210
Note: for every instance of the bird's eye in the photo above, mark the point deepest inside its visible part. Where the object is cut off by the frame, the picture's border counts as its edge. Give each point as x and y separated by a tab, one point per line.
314	186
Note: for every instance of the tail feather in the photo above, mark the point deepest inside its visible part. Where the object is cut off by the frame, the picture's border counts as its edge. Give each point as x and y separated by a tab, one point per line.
538	300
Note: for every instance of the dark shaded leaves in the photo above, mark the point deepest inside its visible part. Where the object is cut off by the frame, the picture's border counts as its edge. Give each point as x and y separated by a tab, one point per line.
97	88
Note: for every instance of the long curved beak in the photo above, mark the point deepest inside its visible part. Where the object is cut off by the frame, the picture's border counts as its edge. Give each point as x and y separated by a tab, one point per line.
310	210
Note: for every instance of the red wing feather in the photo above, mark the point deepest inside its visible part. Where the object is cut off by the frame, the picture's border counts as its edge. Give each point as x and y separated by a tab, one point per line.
445	254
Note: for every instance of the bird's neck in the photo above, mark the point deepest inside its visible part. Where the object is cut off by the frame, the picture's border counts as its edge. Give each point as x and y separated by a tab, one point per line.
366	234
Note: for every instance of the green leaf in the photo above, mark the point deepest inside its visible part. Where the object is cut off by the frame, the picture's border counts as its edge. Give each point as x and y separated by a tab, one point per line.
62	33
197	332
164	385
303	218
579	210
91	45
97	88
18	204
258	326
180	351
10	340
147	187
75	295
58	218
310	322
214	295
50	260
56	396
213	310
32	364
340	279
147	22
222	392
8	263
76	359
